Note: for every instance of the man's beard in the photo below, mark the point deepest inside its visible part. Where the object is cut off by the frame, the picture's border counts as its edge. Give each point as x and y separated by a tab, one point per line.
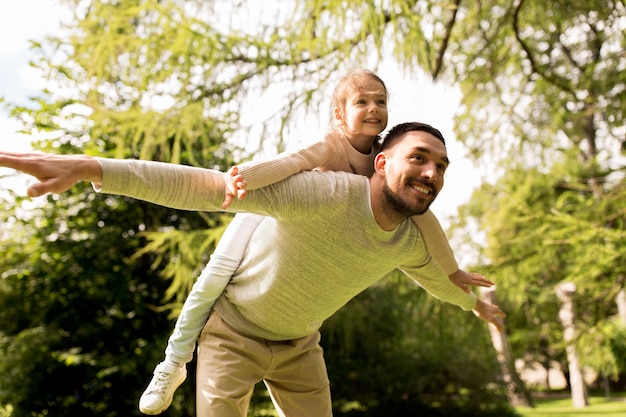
400	206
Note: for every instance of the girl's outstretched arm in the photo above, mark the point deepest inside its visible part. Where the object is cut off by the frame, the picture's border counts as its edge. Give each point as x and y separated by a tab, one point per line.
490	313
440	250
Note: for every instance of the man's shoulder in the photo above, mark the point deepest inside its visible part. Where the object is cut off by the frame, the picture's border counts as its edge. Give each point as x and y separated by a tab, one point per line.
323	185
333	179
321	175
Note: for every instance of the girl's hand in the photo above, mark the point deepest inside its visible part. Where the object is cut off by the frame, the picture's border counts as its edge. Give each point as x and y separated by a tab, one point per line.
490	313
235	186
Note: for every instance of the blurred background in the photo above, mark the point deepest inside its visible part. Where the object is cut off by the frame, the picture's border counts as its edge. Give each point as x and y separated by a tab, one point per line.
531	101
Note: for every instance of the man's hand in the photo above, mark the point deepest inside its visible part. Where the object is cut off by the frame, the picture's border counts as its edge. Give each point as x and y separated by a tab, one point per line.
490	313
462	279
235	186
56	173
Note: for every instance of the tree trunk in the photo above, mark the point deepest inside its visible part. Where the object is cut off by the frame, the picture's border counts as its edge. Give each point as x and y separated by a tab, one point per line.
516	389
567	315
621	305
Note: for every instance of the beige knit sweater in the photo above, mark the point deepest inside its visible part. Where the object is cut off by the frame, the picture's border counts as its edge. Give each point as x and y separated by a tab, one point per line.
335	153
319	249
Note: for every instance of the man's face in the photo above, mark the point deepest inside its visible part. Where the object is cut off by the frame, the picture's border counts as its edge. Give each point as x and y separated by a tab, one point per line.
414	171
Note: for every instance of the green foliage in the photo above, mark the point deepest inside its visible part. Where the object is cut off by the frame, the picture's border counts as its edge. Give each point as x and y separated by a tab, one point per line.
602	348
394	351
544	229
81	331
538	79
190	248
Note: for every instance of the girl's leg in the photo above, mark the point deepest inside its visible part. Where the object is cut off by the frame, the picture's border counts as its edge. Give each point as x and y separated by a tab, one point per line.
169	374
209	286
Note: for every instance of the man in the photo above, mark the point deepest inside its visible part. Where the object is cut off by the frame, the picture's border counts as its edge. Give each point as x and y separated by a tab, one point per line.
328	237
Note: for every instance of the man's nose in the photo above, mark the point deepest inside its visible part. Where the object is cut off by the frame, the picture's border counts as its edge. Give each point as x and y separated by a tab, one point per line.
429	170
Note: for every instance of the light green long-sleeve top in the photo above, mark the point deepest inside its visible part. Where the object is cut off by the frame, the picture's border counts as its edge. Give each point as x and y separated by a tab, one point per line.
321	247
335	153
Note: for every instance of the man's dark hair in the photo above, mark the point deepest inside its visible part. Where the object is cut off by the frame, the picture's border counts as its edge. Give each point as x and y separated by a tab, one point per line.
398	130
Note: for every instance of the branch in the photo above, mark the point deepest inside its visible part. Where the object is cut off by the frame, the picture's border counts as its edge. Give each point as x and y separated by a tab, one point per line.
552	80
446	40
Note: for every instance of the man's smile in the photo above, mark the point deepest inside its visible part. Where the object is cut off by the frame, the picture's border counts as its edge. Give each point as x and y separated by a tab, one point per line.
423	189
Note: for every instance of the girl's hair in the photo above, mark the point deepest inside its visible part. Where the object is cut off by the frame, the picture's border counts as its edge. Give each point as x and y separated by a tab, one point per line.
357	80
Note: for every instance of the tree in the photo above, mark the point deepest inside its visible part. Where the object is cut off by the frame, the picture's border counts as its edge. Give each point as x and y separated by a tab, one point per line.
541	230
90	321
548	77
542	85
395	351
567	315
81	317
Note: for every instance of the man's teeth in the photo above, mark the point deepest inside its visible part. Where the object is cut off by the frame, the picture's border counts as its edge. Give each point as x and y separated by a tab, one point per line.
422	189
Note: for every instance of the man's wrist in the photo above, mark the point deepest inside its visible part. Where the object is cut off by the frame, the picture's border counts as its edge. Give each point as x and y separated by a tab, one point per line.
90	170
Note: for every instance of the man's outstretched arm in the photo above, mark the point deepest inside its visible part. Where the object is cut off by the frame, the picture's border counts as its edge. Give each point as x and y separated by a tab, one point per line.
489	312
56	173
171	185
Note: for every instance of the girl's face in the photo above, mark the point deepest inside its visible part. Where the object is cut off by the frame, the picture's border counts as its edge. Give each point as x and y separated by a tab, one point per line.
365	112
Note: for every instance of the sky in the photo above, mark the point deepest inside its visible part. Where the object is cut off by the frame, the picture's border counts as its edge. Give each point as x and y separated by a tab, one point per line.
411	98
20	22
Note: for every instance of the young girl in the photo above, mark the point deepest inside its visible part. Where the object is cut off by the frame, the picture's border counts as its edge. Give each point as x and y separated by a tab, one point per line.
360	115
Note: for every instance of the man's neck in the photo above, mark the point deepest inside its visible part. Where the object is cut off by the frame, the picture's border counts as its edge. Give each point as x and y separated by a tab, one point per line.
387	218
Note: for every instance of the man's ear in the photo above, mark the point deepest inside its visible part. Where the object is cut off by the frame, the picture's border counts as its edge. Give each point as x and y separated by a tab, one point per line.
380	162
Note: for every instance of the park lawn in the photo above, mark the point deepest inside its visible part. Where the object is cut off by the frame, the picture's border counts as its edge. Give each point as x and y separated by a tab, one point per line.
599	406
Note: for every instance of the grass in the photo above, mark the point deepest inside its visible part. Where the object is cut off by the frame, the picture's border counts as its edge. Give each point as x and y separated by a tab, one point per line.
599	406
554	405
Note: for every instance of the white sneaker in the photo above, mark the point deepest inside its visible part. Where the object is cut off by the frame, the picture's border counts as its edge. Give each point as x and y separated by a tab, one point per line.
158	396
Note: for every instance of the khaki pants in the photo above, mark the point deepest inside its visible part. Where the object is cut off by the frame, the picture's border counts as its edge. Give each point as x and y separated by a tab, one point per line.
230	364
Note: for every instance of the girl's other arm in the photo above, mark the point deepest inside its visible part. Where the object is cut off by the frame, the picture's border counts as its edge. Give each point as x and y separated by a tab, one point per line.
441	252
